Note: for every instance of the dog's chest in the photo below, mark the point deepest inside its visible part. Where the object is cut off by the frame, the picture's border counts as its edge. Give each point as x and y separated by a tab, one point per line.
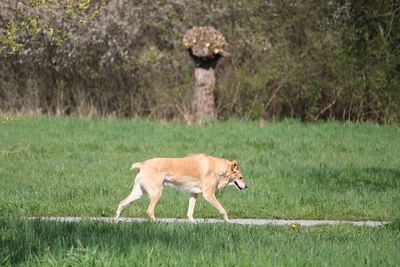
188	184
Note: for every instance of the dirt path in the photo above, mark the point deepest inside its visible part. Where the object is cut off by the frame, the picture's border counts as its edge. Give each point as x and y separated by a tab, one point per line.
235	221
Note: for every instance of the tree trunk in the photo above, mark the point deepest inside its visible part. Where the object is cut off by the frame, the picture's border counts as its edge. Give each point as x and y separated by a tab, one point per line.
203	102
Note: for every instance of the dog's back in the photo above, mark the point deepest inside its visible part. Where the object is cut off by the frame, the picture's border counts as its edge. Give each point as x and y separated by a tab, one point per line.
195	165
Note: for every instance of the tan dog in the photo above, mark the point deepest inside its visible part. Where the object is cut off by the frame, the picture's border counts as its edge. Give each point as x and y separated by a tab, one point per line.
195	174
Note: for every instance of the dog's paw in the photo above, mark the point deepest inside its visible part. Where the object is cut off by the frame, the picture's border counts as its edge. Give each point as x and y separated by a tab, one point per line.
120	220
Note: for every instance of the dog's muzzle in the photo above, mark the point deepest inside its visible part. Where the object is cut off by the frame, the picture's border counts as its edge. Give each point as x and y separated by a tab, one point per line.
238	186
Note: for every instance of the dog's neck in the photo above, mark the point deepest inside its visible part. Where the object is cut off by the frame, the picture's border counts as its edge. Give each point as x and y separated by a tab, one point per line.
223	180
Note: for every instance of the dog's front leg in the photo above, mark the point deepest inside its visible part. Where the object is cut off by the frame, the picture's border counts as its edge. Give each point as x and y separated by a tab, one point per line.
214	201
192	203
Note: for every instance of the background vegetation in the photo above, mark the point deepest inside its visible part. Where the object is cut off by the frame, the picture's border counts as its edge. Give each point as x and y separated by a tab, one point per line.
308	59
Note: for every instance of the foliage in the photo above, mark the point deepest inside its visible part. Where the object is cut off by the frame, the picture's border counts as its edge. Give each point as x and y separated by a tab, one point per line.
28	22
205	42
308	59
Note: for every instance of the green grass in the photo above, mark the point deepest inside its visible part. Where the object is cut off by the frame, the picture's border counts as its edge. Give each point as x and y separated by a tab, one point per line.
67	166
38	243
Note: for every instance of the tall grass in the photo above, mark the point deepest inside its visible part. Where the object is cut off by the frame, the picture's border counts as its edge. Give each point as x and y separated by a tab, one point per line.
66	166
39	243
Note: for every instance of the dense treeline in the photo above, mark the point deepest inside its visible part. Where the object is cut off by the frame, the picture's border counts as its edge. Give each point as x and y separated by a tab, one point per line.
309	59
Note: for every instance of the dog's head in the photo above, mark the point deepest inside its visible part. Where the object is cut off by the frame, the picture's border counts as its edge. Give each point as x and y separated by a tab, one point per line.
235	176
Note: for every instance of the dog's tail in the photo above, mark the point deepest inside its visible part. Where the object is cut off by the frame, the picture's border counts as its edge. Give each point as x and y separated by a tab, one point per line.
136	165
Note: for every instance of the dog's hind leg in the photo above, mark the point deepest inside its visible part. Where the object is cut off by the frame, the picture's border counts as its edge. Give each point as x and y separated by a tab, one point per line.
154	197
192	203
136	193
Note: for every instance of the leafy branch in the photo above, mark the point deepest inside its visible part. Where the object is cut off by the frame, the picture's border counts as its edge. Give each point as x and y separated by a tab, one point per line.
26	22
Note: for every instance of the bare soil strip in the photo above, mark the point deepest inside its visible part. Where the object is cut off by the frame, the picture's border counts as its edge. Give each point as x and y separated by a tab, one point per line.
211	220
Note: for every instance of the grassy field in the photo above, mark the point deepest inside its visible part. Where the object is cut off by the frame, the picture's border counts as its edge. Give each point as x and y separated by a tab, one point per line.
67	166
36	243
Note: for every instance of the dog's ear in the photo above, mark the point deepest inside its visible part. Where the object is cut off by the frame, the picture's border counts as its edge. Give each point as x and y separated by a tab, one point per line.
234	165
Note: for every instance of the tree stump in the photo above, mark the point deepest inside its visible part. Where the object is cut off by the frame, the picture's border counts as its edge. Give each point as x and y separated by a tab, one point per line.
204	103
205	46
